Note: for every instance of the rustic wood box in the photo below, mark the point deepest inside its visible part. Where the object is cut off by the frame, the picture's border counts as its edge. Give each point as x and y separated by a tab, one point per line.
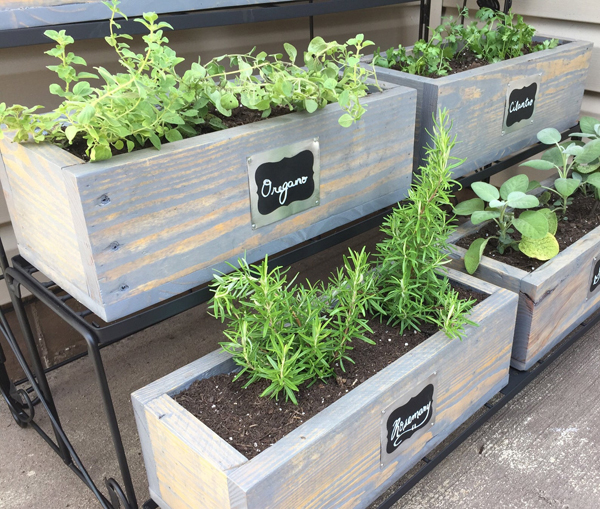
553	299
123	234
476	100
333	460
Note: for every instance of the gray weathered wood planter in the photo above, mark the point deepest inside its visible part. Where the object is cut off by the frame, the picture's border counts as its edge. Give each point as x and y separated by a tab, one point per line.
553	299
335	459
476	100
123	234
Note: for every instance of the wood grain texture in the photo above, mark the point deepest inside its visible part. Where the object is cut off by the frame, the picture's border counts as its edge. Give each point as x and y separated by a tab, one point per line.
333	460
553	299
39	207
476	100
180	213
33	13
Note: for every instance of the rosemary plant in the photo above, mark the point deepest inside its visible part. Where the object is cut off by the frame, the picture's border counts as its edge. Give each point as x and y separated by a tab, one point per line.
411	256
291	334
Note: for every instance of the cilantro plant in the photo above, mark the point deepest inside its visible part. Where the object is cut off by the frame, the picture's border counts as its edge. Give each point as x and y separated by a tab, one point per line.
149	102
411	289
564	158
291	334
537	227
502	36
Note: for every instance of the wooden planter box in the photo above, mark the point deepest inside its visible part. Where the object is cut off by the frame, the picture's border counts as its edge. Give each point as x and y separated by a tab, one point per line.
553	299
476	100
123	234
334	460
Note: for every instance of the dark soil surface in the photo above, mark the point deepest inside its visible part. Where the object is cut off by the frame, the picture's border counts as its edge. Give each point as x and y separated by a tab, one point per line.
239	116
251	423
583	216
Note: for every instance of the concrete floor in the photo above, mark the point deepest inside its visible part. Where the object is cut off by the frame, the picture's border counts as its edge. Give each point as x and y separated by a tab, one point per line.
542	450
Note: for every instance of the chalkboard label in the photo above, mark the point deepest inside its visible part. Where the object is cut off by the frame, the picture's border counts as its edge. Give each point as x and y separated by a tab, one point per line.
595	279
283	181
406	419
520	105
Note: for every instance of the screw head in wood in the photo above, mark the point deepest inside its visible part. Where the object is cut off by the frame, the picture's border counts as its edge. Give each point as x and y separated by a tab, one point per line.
382	465
316	139
249	160
316	202
502	133
253	226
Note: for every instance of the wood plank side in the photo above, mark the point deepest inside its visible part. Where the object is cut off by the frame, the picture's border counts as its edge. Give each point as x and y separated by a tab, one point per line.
39	205
556	298
190	461
176	221
333	460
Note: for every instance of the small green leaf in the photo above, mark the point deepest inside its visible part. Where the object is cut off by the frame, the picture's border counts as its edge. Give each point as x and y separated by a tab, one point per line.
587	124
467	207
566	187
86	114
552	220
588	168
173	135
549	136
474	254
542	249
540	164
71	131
554	155
130	145
486	192
594	180
56	89
531	223
479	216
310	105
100	153
590	151
516	183
346	120
119	144
519	200
229	101
291	51
574	150
534	184
155	141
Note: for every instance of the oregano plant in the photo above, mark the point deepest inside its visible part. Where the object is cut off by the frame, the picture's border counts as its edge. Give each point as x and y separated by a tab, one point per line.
537	227
411	288
149	102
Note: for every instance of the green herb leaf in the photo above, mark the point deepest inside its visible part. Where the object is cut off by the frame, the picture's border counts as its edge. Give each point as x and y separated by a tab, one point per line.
519	200
549	136
516	183
540	164
479	216
542	249
566	187
474	254
532	224
485	191
467	207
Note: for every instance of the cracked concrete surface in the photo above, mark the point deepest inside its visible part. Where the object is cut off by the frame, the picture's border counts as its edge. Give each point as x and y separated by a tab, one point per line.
540	451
